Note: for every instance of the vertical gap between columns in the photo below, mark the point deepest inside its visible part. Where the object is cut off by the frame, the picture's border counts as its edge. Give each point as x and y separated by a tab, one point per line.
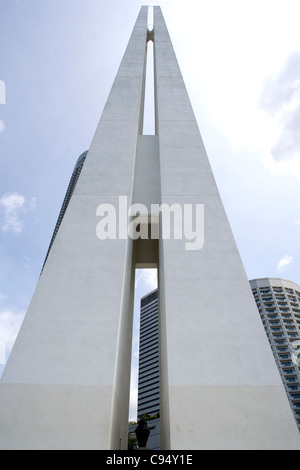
150	18
146	280
149	106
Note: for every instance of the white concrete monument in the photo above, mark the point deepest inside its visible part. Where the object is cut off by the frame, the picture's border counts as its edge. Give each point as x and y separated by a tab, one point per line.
66	384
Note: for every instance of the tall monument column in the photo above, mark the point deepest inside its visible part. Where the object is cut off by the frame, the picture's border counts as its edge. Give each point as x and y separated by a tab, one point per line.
220	387
67	380
66	384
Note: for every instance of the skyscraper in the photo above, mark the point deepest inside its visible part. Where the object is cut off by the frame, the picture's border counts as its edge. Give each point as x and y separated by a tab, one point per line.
148	385
278	302
74	178
67	381
148	381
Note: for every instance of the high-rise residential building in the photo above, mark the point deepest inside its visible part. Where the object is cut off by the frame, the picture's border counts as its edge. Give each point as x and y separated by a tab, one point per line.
278	303
144	201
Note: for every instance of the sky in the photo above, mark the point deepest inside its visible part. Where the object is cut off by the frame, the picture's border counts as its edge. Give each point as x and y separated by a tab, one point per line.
240	61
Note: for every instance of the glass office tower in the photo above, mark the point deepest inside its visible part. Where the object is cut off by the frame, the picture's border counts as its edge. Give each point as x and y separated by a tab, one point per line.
148	389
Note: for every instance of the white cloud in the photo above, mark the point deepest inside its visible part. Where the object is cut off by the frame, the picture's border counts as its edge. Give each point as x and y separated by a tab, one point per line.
284	263
280	100
147	277
13	206
2	126
10	323
282	167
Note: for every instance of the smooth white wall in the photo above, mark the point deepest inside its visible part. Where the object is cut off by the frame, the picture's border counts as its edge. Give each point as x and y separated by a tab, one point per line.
220	385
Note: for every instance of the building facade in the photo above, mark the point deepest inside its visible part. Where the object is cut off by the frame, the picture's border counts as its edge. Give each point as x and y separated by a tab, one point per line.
278	303
148	384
